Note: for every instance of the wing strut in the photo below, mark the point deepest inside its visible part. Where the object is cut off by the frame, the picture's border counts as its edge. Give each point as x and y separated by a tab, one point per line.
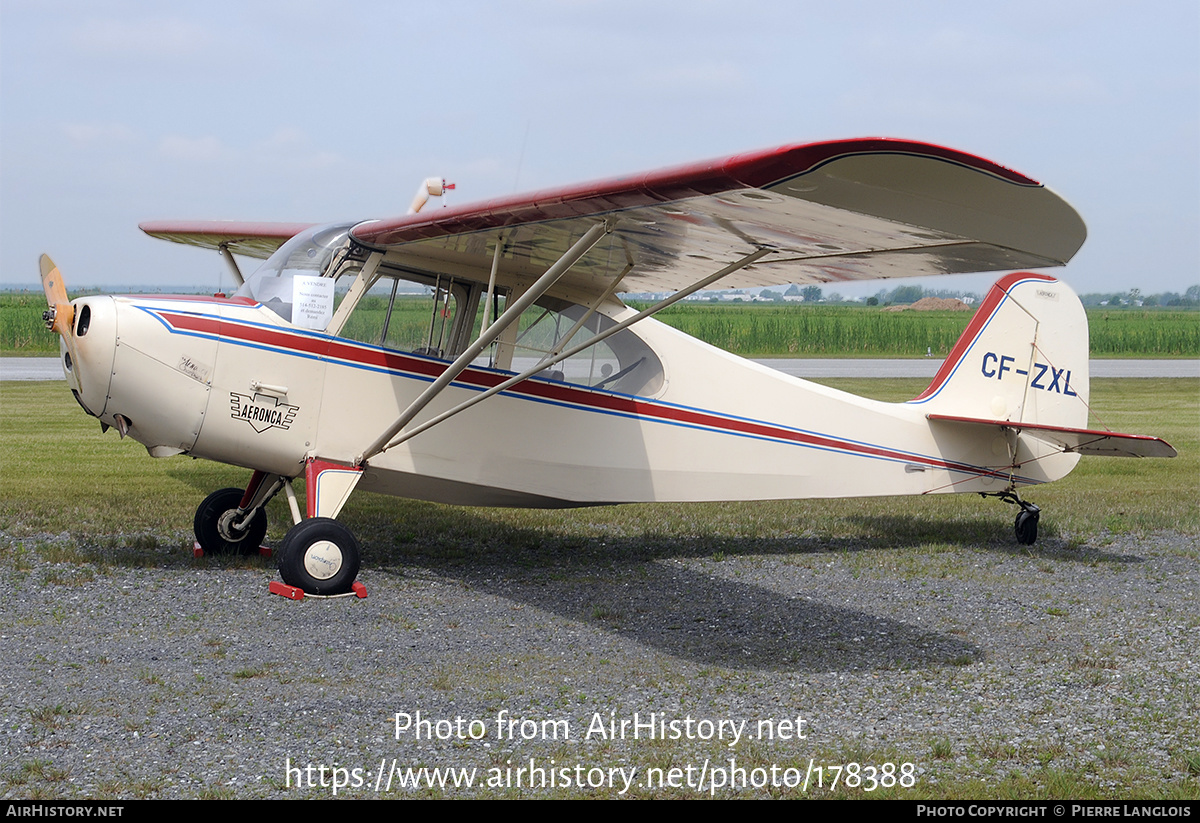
491	288
227	256
488	335
571	352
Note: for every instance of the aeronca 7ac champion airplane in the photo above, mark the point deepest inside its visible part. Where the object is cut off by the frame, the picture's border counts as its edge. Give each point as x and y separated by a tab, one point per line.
527	382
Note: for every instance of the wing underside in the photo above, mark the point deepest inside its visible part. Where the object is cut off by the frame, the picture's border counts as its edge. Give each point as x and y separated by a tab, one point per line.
827	212
246	238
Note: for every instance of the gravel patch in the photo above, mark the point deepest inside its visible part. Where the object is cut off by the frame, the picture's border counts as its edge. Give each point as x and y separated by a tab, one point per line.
182	680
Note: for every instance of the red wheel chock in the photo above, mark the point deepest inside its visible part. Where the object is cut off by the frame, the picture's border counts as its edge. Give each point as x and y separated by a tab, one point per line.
284	590
295	593
197	552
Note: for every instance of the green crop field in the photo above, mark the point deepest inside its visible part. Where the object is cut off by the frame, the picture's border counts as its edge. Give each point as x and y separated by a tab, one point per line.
21	328
853	331
748	330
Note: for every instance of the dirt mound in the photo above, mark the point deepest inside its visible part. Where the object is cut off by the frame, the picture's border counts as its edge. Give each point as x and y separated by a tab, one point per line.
934	304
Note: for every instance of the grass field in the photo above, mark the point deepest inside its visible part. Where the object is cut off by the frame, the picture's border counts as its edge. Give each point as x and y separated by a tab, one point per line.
50	450
841	609
751	330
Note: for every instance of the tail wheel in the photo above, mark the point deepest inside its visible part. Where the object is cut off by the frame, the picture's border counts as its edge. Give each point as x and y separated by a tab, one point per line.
1027	525
1027	517
320	556
215	529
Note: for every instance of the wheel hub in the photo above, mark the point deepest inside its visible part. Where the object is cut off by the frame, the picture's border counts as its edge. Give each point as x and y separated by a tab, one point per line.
227	528
323	559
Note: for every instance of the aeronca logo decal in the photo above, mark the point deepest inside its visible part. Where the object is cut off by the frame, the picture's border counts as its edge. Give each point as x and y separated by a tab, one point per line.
261	411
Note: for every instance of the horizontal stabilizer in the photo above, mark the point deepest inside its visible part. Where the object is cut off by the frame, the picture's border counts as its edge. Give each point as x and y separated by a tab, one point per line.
1078	441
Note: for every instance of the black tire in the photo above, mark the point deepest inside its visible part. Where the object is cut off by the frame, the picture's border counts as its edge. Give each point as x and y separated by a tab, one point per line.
319	556
216	538
1027	526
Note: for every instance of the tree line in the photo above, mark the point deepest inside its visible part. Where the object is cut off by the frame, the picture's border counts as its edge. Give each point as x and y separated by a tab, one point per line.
903	295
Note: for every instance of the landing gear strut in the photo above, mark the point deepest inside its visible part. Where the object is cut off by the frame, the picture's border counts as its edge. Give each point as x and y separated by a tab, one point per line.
318	555
1026	525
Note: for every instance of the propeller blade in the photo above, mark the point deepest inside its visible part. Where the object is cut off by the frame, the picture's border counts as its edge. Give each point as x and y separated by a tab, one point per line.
52	282
61	315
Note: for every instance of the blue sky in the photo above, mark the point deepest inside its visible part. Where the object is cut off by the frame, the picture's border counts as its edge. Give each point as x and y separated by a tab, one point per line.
116	112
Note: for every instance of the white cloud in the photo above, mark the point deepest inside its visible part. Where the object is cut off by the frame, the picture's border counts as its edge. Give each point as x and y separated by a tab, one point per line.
156	38
90	134
193	149
286	138
293	147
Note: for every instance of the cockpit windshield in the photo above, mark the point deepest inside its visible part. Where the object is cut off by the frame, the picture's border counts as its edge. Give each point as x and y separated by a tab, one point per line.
294	281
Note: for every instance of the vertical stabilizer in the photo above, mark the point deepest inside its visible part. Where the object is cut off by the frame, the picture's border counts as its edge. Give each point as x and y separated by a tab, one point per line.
1023	358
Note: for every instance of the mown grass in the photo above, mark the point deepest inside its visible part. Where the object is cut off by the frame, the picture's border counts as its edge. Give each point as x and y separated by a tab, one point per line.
58	473
75	501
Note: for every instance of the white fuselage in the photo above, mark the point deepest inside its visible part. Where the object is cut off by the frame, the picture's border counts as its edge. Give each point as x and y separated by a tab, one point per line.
227	380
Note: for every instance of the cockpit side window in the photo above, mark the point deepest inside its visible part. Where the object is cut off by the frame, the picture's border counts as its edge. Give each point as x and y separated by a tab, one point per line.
405	315
441	316
620	362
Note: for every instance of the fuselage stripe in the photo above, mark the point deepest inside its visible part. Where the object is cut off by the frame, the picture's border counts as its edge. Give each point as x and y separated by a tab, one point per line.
316	346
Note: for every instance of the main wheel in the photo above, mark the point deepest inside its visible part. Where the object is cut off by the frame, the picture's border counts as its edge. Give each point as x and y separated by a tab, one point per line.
214	525
1027	523
320	556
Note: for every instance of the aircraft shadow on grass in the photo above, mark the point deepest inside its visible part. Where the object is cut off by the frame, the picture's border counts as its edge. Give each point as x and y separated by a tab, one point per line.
643	587
637	587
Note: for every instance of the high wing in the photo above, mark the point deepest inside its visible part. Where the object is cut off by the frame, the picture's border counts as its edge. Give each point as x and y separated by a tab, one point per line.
829	212
250	239
826	212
